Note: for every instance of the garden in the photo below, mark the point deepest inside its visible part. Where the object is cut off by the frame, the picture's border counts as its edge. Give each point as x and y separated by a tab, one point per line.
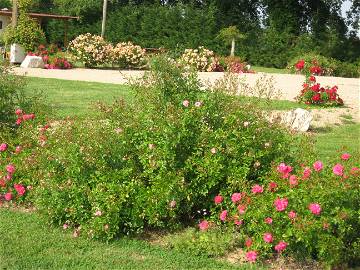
197	161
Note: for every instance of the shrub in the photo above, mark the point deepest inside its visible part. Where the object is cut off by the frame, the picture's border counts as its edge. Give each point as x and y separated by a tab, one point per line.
90	49
200	59
28	33
128	55
53	57
309	211
164	156
236	65
314	93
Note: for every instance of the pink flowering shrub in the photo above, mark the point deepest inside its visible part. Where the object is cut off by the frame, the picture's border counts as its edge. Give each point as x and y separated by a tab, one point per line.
318	217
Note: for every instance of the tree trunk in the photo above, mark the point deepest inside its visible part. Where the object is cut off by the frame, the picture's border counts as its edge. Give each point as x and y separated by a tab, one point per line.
103	19
14	14
232	52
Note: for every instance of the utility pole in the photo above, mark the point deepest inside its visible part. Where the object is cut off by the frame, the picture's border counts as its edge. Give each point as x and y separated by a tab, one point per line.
103	19
14	16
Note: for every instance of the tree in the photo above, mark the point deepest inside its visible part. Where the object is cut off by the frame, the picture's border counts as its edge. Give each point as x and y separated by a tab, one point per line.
229	35
103	19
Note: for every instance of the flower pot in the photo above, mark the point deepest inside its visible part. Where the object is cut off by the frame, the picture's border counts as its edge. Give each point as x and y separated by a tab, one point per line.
17	53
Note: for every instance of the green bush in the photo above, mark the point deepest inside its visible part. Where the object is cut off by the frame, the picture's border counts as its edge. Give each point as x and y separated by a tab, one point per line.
155	161
27	33
317	218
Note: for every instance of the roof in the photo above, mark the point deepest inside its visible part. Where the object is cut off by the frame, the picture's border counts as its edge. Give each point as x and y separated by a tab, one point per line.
7	12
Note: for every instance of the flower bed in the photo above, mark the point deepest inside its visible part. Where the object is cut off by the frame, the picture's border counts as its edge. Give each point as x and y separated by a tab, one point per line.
53	57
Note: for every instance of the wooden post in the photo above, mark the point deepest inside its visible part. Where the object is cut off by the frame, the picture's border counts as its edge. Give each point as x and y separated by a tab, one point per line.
65	33
14	14
103	19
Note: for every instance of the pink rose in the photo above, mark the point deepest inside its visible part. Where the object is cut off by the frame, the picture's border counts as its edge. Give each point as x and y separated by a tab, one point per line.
223	215
238	222
281	204
257	189
272	186
318	166
251	256
213	150
292	214
293	180
172	204
98	213
8	196
236	197
241	208
203	225
315	208
10	169
18	112
248	242
268	220
18	149
345	156
186	103
18	121
65	226
3	147
338	169
218	199
268	238
281	246
306	173
26	117
20	189
284	169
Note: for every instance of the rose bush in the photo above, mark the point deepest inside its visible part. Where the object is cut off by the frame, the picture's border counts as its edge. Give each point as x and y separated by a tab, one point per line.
201	59
309	211
128	55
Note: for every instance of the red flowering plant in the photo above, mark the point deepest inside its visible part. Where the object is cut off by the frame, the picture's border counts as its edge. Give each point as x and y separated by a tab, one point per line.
310	211
314	93
53	57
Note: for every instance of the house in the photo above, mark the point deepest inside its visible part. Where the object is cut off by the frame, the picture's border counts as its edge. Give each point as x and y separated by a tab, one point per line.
4	22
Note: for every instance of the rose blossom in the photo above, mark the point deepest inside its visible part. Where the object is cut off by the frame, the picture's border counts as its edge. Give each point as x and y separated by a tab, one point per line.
18	149
238	222
251	256
213	150
151	146
345	156
218	199
236	197
248	242
223	215
315	208
8	196
338	169
186	103
203	225
257	189
292	214
281	246
293	180
98	213
306	173
18	112
318	166
268	220
172	204
20	189
281	204
272	186
10	169
65	226
241	208
268	238
3	147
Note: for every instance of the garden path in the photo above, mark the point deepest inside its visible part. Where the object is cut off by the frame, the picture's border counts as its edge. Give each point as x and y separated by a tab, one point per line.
288	84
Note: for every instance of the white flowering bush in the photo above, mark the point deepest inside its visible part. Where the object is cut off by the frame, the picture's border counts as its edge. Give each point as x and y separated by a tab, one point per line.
201	59
128	55
90	49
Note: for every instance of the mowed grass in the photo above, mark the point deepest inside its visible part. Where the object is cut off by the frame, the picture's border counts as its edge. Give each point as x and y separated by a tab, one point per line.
75	98
333	141
27	243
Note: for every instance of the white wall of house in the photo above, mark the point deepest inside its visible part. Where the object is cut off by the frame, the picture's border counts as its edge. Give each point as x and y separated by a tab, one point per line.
4	21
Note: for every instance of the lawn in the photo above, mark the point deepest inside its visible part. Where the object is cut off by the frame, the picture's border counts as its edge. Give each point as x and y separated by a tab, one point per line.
27	244
76	98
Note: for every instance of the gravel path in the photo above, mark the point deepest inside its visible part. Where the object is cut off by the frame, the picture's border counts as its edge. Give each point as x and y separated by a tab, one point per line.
289	85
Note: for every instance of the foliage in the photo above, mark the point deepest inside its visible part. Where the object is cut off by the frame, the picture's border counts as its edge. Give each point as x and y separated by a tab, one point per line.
235	65
27	33
90	49
164	155
306	210
327	65
127	55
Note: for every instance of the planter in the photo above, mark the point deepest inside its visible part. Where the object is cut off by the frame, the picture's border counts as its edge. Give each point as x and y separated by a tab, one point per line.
17	54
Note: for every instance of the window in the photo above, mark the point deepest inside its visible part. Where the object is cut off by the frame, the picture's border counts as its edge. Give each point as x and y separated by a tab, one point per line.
1	23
